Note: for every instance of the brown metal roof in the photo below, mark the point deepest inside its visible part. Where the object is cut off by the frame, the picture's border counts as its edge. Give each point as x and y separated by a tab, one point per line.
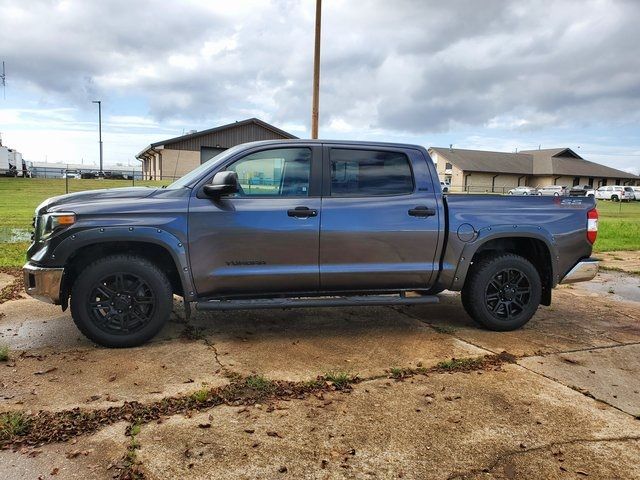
225	136
485	161
552	161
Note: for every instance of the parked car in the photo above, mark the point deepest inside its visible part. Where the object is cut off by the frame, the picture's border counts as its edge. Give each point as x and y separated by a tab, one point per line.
71	174
636	193
522	191
631	191
614	192
553	190
340	223
582	191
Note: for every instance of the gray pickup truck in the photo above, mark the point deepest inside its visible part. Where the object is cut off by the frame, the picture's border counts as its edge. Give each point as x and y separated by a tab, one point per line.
281	224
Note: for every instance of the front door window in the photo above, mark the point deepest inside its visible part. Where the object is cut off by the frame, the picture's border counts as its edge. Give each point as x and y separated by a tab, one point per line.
282	172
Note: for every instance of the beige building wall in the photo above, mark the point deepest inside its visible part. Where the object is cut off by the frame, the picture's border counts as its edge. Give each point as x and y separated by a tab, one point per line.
176	163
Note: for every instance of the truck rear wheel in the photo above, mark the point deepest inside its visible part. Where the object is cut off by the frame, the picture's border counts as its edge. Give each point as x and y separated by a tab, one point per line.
121	301
502	292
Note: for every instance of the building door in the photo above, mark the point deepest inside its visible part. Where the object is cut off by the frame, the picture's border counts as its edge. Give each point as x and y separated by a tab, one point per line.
380	220
264	239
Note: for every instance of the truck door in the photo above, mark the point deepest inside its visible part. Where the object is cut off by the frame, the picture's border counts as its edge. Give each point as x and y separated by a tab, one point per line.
380	220
265	238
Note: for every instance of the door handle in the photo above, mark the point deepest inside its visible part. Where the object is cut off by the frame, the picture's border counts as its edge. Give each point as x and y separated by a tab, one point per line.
302	212
422	211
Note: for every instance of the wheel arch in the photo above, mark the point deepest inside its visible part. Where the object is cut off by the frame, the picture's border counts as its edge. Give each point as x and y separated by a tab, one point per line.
532	243
156	245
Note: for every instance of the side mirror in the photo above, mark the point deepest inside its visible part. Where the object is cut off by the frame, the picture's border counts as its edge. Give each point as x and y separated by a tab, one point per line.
223	183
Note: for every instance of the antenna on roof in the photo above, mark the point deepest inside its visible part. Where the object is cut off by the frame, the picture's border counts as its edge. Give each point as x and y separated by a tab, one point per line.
451	147
3	78
539	146
516	149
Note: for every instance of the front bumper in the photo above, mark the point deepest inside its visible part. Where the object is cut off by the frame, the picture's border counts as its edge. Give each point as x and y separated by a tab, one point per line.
43	283
583	271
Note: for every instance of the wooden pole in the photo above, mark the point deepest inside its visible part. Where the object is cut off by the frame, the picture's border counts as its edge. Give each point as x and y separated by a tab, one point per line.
316	73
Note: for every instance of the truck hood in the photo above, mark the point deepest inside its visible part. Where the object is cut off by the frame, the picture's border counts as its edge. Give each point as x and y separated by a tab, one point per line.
91	196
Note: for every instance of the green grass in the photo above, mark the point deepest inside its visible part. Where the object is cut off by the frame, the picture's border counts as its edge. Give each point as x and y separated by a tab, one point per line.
260	383
460	363
201	395
13	254
19	197
340	380
12	424
619	226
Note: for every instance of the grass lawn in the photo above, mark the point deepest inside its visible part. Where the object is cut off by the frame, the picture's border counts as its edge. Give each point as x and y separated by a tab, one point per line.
619	223
19	197
618	226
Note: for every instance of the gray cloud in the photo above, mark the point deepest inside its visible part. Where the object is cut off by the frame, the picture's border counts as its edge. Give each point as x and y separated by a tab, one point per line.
408	66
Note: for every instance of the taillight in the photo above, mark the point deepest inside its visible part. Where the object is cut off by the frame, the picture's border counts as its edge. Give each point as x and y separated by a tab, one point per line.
592	225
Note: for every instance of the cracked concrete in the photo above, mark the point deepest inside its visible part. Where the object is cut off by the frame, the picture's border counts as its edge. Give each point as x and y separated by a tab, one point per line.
426	427
532	420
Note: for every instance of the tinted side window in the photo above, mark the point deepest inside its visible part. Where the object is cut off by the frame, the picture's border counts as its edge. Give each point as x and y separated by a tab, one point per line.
282	172
366	173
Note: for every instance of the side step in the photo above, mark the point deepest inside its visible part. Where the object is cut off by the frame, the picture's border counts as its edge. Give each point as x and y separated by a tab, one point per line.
314	302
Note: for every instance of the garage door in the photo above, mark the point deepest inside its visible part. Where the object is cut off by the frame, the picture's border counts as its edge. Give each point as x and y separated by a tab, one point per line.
207	153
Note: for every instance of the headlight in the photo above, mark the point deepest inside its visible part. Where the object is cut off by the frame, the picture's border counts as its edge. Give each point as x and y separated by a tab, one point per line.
51	222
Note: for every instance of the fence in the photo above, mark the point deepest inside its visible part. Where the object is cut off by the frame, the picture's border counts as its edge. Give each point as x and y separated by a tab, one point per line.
59	180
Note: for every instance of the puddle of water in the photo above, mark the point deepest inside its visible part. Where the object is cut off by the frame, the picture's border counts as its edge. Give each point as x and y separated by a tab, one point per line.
617	285
14	235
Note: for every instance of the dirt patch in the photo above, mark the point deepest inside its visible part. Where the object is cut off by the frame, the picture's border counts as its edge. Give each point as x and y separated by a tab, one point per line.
11	285
623	261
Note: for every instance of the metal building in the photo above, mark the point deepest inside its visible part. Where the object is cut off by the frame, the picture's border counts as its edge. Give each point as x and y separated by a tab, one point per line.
174	157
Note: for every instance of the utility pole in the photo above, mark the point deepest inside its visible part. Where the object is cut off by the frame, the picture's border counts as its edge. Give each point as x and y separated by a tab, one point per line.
316	73
99	102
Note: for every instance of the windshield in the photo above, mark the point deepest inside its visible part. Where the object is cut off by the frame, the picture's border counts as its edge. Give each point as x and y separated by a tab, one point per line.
194	175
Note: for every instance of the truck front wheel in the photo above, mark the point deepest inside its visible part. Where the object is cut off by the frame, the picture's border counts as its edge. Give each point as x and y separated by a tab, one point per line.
121	301
502	291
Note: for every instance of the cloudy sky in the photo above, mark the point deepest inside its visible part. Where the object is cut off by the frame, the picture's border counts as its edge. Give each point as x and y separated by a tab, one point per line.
477	74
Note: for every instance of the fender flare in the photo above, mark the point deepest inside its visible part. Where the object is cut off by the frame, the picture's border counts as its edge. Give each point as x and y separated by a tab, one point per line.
94	236
486	234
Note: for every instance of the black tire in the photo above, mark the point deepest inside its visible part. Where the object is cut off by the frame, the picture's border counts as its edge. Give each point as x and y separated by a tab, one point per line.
121	301
500	302
614	198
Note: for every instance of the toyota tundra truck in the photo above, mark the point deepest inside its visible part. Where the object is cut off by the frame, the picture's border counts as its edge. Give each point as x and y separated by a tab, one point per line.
300	223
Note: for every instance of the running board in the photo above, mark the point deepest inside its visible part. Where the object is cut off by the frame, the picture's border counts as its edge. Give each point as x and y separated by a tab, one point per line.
314	302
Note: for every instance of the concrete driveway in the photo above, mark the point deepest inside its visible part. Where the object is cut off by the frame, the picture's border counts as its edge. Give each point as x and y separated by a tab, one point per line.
332	393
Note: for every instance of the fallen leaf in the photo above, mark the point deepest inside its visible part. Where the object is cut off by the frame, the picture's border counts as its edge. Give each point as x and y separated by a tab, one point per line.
112	378
204	425
274	434
48	370
54	471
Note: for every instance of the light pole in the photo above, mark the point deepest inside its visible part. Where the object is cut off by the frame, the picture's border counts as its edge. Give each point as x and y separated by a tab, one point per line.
316	73
99	129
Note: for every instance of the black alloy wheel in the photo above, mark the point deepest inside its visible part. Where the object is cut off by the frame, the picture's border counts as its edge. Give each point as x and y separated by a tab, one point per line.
122	303
502	291
121	300
508	294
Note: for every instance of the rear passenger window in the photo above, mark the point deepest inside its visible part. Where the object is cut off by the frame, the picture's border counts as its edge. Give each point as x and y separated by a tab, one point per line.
367	173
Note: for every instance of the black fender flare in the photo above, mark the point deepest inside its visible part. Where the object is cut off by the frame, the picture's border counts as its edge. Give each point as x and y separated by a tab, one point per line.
486	234
94	236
